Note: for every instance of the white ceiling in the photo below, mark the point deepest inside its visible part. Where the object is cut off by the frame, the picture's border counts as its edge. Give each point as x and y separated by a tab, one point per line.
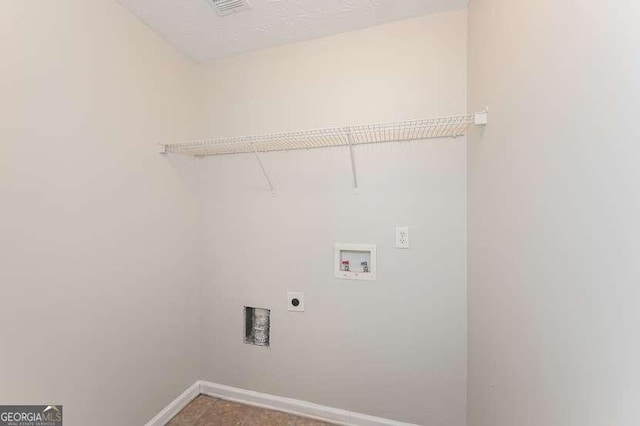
195	28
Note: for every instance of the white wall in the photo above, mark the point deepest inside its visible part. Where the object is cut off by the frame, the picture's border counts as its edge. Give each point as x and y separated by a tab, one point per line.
395	347
98	291
554	203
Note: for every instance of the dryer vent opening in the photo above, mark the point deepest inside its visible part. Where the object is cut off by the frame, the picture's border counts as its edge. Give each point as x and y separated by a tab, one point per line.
257	326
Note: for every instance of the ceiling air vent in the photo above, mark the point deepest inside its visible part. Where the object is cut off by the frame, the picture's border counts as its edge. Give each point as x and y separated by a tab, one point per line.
227	7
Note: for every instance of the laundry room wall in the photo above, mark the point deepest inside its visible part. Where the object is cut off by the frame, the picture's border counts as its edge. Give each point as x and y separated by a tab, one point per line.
394	347
553	213
98	286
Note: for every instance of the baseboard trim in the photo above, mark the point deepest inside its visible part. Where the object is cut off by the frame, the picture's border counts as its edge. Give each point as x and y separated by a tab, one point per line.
272	402
174	407
294	406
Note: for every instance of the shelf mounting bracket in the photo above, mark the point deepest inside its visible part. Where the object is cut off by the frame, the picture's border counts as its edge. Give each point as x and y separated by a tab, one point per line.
353	161
264	172
481	118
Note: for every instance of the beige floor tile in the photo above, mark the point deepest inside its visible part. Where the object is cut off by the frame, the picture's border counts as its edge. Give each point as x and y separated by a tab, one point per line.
262	416
207	411
223	413
192	412
311	422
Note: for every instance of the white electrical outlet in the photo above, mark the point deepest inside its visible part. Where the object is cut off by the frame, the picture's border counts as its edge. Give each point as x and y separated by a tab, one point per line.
402	237
295	301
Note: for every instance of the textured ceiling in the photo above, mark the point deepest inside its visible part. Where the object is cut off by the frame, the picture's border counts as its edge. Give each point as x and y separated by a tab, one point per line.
195	28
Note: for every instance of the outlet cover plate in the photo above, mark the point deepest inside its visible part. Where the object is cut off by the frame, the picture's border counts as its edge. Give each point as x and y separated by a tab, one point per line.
294	295
402	237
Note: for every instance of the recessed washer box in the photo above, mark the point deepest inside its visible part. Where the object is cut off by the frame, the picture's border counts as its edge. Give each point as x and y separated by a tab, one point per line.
355	261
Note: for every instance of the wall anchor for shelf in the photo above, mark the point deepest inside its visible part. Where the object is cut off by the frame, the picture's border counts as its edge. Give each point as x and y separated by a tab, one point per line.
353	161
481	118
264	172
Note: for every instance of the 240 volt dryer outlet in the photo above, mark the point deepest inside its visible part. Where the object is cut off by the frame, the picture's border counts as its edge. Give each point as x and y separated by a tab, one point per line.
295	301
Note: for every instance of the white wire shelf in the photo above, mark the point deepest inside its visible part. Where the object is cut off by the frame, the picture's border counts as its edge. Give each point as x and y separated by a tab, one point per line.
441	127
349	136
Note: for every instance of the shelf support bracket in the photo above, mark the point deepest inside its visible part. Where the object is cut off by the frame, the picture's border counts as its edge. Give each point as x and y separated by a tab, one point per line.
481	118
264	172
353	161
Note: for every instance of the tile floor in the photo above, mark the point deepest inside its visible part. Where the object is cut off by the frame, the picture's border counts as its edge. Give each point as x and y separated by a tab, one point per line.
207	411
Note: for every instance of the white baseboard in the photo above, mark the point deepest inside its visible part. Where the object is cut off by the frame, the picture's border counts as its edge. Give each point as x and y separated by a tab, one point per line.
273	402
294	406
174	407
